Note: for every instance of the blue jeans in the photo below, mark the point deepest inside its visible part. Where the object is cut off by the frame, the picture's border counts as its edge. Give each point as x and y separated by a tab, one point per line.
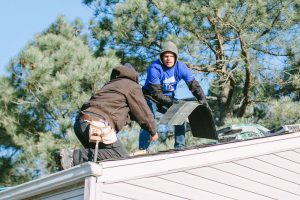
144	138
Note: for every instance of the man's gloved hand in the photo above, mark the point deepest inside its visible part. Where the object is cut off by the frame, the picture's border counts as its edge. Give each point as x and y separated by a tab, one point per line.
176	101
162	109
204	102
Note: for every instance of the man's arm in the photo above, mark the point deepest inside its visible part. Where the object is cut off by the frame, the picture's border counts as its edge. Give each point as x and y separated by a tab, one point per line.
193	85
140	111
157	94
197	91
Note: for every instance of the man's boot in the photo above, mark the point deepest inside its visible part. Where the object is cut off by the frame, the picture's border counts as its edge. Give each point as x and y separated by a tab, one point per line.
64	158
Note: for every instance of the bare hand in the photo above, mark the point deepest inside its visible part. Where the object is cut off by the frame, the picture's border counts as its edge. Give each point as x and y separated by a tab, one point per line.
154	138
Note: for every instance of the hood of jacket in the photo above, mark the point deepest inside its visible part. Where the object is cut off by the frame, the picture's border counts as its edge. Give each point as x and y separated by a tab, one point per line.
124	71
168	47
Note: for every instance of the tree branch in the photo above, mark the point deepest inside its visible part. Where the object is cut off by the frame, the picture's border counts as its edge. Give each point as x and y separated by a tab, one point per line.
269	52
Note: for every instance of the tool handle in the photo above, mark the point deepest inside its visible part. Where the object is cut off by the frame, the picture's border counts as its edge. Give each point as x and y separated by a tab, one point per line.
96	151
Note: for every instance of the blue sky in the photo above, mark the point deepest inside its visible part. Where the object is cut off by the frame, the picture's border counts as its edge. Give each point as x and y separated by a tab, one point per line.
21	20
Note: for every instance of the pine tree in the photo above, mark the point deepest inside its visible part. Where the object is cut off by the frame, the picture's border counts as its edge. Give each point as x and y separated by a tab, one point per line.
239	43
48	82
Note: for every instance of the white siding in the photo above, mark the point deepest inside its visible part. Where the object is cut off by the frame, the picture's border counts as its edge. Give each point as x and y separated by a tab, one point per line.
170	187
242	183
212	186
141	166
72	192
107	196
280	162
67	184
266	168
270	176
259	177
270	169
76	194
297	150
133	192
290	155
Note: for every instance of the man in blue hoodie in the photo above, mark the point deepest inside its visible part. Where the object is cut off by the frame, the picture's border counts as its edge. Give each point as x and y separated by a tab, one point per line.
163	76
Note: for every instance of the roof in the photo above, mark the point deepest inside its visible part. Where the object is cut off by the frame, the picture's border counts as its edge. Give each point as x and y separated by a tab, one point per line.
264	168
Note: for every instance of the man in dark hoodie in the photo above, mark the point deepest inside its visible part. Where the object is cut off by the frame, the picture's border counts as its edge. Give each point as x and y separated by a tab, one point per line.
163	76
115	105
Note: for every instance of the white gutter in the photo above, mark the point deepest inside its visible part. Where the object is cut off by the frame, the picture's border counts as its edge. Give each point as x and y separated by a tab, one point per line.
53	181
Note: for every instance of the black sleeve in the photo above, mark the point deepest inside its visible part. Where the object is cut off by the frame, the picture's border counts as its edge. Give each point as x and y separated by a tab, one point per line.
197	91
157	94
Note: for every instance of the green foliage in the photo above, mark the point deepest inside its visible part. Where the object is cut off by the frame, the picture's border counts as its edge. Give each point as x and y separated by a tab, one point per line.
49	80
129	137
281	112
272	114
290	75
247	50
241	45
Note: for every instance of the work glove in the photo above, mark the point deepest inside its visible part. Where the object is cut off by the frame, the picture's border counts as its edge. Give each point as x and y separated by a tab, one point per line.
162	109
204	103
176	101
197	91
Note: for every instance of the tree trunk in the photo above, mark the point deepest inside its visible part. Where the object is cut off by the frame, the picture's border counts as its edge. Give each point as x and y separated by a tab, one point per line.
247	85
225	100
228	84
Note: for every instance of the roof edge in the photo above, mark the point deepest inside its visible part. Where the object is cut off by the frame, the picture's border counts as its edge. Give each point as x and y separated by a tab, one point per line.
53	181
113	171
165	163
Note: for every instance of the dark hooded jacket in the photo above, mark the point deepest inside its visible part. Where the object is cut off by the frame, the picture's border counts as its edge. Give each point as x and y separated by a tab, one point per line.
121	100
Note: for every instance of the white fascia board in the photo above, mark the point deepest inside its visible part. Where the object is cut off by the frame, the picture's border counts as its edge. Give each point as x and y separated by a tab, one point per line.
53	181
114	171
164	163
